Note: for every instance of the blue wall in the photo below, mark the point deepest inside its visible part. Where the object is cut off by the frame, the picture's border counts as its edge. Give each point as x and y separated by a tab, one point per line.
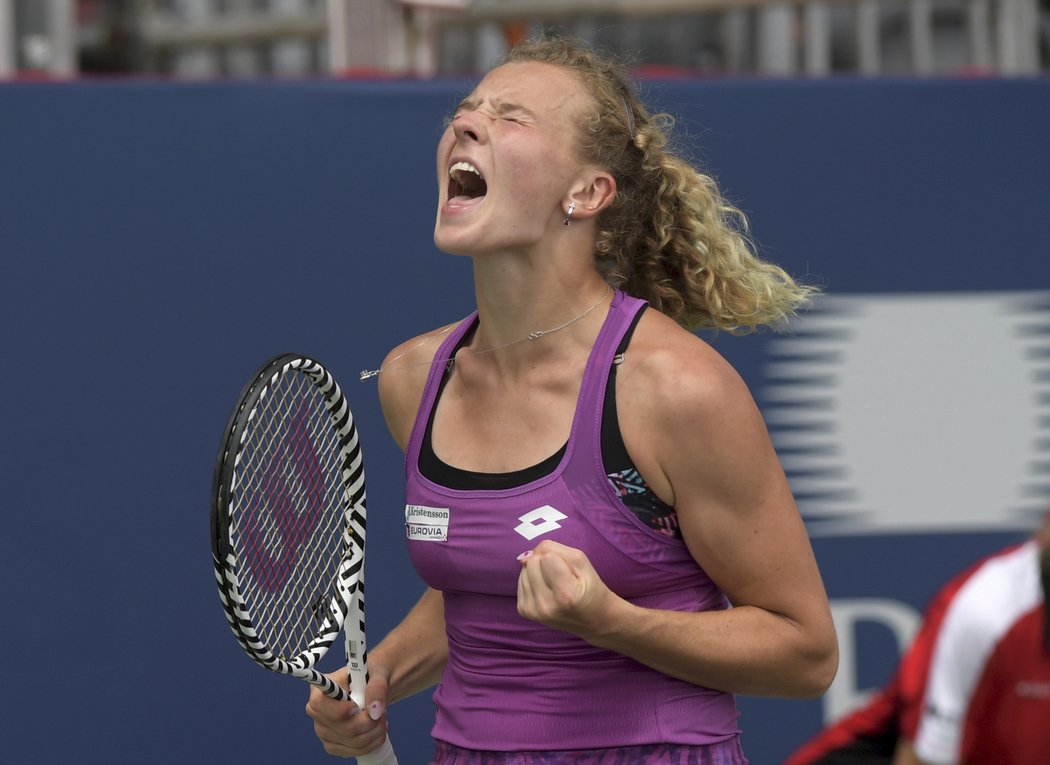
158	241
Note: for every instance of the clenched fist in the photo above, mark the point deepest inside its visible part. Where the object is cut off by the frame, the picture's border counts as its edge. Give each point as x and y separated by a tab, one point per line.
558	587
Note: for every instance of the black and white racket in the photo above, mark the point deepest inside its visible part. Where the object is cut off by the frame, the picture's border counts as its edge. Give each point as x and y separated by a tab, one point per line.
288	527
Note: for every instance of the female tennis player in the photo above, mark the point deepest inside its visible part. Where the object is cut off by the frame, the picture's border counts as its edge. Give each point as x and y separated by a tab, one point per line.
609	542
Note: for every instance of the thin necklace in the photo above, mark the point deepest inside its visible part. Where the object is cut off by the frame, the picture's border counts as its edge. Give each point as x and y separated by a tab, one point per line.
536	335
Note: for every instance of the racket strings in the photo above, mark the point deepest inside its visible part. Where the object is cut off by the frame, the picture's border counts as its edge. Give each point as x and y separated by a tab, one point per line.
287	515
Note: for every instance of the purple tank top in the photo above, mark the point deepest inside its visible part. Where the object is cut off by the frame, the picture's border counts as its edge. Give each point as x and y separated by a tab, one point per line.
514	685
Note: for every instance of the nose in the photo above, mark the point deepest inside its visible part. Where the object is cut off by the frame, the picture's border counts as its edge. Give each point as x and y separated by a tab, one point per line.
468	126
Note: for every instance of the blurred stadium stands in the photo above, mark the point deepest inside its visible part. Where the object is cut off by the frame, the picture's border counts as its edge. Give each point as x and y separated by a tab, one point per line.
194	39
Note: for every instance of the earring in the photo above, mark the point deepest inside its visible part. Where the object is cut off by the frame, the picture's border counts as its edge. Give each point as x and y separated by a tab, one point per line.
569	212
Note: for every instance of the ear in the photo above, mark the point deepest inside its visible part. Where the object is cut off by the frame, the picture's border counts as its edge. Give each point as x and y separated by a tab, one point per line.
592	195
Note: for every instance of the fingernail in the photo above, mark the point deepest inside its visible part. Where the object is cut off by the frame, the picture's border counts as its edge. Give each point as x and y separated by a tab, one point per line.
375	710
525	556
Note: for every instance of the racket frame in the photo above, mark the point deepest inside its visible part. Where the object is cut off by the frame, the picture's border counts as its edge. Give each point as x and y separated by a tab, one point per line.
347	602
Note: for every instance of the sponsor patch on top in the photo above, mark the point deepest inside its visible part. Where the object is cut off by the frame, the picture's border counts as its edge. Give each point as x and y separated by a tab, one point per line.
426	524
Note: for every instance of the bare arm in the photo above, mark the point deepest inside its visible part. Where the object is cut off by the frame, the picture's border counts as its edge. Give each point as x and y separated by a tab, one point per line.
699	440
409	659
412	656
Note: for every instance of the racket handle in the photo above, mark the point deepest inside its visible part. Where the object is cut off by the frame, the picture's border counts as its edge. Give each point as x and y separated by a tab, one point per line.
384	755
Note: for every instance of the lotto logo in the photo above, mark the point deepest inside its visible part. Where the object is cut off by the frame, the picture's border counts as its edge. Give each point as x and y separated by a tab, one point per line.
540	521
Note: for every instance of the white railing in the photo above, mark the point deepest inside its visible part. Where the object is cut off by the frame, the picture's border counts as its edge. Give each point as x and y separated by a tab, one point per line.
205	38
49	48
794	36
7	38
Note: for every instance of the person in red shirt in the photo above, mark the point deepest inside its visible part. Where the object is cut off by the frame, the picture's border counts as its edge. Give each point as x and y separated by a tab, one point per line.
973	687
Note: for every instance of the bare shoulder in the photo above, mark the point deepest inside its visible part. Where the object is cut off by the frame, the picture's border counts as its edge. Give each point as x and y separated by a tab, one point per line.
680	404
671	370
402	377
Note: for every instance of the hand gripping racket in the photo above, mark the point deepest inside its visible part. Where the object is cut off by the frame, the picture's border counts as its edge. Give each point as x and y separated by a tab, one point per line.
288	527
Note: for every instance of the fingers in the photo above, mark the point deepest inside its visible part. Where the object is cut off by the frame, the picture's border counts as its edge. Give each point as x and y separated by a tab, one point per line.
554	584
343	729
376	692
554	563
552	580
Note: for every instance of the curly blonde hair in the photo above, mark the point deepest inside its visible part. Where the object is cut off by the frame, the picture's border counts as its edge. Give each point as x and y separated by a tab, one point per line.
670	237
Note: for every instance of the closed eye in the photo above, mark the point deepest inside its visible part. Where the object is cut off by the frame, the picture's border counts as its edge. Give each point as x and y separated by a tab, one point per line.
515	113
509	112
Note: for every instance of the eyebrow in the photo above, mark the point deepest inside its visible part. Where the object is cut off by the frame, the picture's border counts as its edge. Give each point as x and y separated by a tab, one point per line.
500	107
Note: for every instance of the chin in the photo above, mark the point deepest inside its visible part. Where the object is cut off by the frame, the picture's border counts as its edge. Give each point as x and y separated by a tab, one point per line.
450	245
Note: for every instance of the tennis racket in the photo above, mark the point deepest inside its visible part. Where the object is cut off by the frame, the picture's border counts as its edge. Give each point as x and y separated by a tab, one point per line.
288	527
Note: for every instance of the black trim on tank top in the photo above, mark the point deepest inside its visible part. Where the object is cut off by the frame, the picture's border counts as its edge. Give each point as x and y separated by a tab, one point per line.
615	458
440	472
620	470
451	477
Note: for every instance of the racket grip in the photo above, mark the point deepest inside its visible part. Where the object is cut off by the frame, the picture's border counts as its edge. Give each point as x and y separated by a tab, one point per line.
384	755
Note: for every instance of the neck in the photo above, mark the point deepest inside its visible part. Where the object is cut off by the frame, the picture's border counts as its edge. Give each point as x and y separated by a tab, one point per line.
512	312
518	293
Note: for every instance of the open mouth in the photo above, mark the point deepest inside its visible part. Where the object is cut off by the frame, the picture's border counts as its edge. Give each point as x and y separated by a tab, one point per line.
466	181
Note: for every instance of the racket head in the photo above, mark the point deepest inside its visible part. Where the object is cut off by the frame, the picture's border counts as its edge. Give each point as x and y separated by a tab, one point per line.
288	516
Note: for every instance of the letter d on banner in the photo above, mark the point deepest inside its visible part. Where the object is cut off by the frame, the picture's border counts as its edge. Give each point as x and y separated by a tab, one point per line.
901	619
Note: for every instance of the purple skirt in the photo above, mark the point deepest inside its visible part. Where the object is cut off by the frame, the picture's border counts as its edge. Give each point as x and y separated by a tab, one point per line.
725	753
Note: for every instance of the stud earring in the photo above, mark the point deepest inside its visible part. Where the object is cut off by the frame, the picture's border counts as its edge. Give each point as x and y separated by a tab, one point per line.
568	213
